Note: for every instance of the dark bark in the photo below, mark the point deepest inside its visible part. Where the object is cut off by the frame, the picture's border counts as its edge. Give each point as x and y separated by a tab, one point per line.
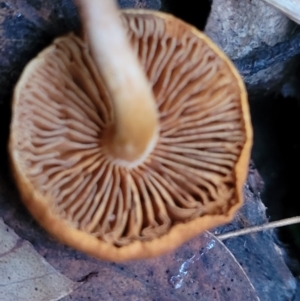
268	56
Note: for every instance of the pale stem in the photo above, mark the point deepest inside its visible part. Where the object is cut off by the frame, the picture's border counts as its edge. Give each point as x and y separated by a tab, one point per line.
135	129
271	225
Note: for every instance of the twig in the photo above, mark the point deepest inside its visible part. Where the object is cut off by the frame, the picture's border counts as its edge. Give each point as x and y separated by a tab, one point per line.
271	225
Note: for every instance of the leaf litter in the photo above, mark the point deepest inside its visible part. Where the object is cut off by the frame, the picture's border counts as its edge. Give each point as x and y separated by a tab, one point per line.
202	269
26	275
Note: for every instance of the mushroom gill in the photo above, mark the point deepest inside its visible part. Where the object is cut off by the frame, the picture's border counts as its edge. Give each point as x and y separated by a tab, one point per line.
192	180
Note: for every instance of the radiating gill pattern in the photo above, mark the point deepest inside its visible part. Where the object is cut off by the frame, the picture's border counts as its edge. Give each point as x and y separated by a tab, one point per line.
64	110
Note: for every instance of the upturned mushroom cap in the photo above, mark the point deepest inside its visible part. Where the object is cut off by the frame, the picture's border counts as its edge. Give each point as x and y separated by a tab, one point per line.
191	181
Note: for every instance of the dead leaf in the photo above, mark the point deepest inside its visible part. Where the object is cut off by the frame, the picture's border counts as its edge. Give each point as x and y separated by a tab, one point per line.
25	275
202	269
259	253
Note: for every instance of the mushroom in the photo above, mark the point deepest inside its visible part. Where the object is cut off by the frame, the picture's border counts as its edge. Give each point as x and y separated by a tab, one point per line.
122	163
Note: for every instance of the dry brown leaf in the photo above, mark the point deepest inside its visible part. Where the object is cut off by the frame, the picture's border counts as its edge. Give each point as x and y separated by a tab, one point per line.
26	27
202	269
25	275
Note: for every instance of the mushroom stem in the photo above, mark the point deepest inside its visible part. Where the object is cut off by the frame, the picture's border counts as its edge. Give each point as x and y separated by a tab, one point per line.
135	128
